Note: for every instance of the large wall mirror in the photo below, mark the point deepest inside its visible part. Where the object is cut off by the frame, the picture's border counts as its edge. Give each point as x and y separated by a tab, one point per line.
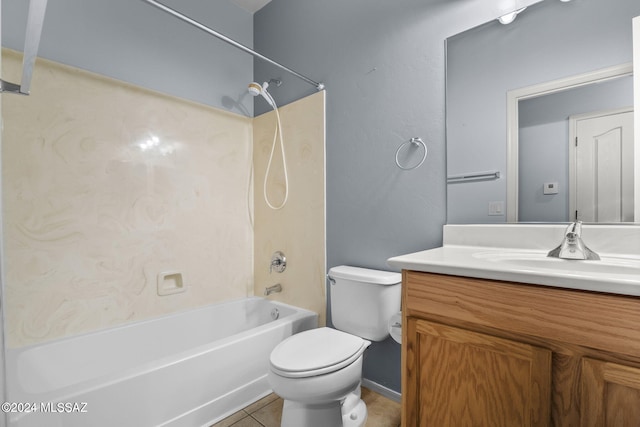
518	93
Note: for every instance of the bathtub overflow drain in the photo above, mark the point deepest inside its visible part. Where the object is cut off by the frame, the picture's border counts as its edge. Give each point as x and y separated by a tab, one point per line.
275	313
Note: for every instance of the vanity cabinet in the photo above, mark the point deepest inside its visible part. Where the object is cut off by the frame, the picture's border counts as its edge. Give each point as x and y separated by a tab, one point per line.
481	352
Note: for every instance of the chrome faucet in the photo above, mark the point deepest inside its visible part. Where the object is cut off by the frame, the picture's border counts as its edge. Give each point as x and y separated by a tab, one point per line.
572	246
273	289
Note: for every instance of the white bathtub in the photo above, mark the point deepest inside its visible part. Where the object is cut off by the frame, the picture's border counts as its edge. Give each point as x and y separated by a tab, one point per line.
187	369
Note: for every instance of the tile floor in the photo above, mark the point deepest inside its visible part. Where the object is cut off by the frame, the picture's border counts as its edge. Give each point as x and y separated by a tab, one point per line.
266	412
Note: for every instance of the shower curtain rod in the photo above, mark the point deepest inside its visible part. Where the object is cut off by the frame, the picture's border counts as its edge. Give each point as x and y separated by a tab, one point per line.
35	20
319	86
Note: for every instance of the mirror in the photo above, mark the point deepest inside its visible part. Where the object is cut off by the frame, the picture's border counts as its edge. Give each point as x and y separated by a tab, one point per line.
551	169
582	44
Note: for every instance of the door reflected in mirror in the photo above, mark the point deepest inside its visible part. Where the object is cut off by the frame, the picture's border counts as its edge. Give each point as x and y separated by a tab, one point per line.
602	158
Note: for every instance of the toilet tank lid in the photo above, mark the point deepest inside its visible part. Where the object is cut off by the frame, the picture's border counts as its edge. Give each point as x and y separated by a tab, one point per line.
367	275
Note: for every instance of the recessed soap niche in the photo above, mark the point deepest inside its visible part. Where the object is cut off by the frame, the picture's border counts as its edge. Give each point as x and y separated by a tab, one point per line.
170	282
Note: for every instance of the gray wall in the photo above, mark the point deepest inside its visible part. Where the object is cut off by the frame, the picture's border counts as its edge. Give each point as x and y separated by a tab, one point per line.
548	41
134	42
383	64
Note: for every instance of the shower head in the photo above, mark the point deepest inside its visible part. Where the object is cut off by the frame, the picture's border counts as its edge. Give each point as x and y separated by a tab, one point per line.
255	89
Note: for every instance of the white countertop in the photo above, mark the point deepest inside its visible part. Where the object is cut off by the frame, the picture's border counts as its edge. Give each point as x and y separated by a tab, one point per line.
521	257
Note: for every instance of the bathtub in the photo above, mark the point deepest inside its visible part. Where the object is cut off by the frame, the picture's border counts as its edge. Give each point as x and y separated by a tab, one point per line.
188	369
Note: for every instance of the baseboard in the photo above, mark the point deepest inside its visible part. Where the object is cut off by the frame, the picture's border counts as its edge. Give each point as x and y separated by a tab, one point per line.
380	389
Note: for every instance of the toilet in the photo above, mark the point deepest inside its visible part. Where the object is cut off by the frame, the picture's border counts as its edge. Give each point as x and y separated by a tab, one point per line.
318	372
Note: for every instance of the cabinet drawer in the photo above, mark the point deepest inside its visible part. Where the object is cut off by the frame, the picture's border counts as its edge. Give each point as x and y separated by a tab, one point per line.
600	321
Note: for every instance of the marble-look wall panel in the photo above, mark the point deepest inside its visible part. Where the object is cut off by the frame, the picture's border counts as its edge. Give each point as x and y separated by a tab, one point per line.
106	186
298	229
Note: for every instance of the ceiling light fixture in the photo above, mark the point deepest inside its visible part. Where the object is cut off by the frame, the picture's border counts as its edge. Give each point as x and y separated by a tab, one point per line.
509	17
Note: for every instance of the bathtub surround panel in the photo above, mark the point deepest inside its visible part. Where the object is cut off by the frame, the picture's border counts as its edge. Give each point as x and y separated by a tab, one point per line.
106	186
298	229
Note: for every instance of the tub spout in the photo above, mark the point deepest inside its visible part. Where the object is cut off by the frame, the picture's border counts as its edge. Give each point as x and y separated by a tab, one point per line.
273	289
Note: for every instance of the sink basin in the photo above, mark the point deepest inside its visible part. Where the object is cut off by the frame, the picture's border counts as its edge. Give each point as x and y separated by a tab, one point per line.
517	253
537	261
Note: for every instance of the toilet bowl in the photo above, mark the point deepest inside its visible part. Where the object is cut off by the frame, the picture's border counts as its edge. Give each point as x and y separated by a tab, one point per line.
318	372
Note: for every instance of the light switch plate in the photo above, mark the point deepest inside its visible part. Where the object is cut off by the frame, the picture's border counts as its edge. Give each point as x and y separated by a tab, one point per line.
496	208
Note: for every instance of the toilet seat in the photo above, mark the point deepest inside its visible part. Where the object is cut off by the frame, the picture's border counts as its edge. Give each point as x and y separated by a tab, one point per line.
316	352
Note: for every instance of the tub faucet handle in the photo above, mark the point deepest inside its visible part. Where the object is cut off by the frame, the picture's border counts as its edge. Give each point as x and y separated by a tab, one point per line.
278	262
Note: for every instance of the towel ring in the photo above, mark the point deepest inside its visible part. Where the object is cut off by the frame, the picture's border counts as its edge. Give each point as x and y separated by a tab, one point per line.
416	142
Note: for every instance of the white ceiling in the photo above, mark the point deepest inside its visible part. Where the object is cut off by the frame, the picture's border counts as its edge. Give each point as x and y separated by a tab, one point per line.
251	5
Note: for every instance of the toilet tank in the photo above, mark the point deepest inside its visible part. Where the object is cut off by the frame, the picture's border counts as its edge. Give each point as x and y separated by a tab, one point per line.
363	300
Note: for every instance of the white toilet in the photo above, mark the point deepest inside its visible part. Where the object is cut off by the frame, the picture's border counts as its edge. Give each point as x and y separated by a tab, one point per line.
318	372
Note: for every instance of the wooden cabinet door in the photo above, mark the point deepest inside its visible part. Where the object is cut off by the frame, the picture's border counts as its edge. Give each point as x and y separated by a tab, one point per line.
610	394
459	378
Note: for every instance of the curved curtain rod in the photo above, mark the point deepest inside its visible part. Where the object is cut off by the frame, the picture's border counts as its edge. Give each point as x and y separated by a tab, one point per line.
319	86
